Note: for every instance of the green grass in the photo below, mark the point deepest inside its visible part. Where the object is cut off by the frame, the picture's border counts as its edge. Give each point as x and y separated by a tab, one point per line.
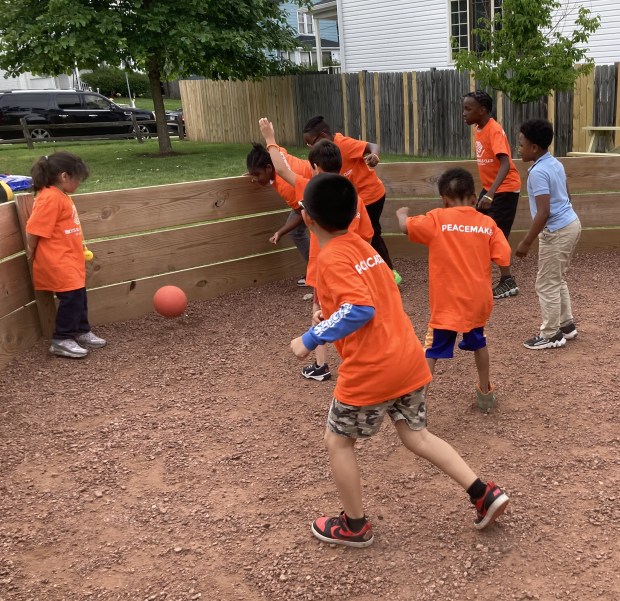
147	103
116	164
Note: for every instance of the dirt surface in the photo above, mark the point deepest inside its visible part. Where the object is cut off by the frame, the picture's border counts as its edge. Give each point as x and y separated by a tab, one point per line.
185	461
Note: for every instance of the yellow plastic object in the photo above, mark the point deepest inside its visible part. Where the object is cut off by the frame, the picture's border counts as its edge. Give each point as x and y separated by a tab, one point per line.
88	255
6	194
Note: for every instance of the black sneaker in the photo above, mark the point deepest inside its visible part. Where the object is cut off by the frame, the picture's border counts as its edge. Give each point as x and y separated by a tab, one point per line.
314	372
540	342
336	531
506	288
490	506
569	331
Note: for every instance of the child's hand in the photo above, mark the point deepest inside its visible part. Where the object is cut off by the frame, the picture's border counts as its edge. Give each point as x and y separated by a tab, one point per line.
274	239
266	128
402	215
522	249
372	159
298	348
317	317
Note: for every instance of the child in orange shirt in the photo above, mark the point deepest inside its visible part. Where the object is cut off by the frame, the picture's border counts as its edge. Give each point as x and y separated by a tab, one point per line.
462	243
261	170
358	156
383	370
323	157
501	182
56	247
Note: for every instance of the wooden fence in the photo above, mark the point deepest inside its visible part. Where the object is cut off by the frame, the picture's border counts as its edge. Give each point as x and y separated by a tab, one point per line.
415	113
211	238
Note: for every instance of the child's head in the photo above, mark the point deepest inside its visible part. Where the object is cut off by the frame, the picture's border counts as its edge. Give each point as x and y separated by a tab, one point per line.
61	169
316	129
260	165
331	201
325	157
477	107
535	137
456	188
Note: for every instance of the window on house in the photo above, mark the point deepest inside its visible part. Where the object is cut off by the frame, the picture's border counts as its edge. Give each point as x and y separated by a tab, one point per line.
305	23
465	16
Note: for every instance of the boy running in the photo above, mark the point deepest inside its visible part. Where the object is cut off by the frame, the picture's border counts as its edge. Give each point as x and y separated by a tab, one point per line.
501	183
383	370
557	227
462	243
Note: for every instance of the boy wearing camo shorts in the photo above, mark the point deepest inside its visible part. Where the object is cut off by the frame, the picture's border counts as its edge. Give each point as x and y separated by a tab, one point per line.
383	369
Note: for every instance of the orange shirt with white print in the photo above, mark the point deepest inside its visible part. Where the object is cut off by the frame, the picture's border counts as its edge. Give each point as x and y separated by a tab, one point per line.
491	140
462	243
360	225
59	257
354	168
384	359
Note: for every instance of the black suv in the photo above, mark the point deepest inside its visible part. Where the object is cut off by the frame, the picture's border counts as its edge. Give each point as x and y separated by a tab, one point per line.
46	108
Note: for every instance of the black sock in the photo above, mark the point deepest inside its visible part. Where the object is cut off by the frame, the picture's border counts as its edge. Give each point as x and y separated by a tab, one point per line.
476	490
356	524
503	278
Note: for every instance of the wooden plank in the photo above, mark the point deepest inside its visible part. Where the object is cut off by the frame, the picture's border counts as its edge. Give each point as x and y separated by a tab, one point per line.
377	116
362	87
617	103
45	304
416	119
10	235
143	209
134	257
406	109
15	285
131	300
472	138
591	240
551	115
18	332
594	210
345	104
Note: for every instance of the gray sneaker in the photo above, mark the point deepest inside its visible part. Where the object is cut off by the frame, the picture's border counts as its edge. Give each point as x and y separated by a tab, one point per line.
486	400
89	340
68	348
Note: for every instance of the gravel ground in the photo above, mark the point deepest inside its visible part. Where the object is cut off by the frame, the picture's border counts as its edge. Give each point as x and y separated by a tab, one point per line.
185	461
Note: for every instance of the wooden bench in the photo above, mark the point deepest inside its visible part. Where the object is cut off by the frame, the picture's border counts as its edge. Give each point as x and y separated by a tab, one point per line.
604	133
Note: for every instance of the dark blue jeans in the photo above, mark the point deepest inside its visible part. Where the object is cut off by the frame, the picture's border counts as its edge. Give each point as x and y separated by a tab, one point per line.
72	314
374	211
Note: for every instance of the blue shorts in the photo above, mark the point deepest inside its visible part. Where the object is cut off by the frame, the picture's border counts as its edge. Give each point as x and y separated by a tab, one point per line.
439	344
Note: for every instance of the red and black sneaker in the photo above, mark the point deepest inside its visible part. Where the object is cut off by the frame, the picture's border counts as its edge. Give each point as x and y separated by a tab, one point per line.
336	531
490	505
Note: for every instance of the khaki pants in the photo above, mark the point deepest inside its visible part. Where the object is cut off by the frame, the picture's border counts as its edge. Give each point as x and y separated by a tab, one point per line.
555	250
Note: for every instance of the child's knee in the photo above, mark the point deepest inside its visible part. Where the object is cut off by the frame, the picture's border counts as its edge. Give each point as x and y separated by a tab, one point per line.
334	442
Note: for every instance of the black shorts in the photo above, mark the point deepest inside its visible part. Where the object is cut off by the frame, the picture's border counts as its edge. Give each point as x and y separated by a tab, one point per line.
502	210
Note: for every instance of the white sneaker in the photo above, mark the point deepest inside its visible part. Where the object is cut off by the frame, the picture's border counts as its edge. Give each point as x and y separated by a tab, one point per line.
89	340
68	348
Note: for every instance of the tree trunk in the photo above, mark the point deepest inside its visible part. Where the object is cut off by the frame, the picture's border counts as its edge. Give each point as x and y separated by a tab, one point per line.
163	137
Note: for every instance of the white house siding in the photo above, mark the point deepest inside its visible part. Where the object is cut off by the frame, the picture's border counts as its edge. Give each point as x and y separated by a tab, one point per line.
392	35
604	45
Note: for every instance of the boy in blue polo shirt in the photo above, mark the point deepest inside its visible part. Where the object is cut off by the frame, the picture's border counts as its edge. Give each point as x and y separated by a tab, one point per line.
558	229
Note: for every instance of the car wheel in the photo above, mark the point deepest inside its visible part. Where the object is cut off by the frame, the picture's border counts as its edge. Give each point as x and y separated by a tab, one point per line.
145	132
40	133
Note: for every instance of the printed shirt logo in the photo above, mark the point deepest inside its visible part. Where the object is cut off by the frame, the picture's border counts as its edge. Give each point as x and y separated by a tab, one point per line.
369	263
75	218
466	229
348	173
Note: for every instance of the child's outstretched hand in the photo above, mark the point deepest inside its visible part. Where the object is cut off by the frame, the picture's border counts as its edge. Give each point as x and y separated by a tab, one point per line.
402	214
298	348
274	239
372	159
266	128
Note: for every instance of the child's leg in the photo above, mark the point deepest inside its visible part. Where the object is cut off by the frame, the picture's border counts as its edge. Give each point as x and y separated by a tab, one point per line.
569	243
431	365
548	283
300	238
70	313
438	452
482	365
345	472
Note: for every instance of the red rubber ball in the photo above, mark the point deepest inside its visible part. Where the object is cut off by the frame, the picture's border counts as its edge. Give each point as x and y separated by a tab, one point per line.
170	301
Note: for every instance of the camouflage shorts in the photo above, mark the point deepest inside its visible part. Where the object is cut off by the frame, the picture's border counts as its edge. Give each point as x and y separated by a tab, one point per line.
362	422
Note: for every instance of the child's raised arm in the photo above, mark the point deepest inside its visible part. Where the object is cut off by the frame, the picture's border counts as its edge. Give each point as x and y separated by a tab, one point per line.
282	169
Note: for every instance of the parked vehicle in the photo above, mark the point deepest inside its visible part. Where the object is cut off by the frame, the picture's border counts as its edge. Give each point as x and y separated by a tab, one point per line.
47	108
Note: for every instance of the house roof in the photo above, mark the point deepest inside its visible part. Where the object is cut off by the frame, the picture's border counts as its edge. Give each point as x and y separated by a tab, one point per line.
309	40
325	9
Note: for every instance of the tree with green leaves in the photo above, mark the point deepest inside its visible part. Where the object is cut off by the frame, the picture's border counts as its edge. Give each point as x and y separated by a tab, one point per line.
524	52
166	39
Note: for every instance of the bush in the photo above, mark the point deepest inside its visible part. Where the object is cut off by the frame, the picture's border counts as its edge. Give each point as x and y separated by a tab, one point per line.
111	82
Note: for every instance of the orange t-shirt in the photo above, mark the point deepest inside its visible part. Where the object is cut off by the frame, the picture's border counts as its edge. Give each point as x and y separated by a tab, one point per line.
491	141
462	243
283	188
361	225
383	359
59	257
365	179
